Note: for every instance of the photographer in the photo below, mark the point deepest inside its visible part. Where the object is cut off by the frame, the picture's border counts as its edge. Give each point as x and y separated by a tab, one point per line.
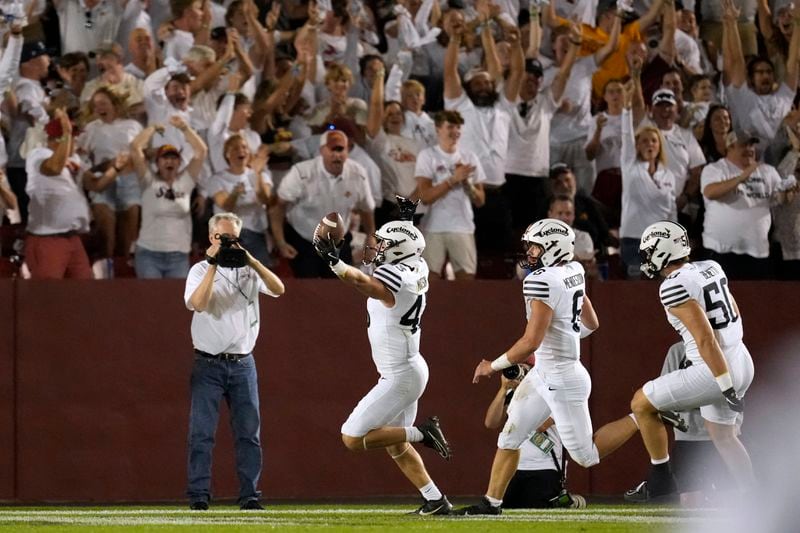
223	293
539	482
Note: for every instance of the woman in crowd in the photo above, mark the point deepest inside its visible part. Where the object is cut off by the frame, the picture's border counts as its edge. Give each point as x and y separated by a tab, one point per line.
717	125
162	250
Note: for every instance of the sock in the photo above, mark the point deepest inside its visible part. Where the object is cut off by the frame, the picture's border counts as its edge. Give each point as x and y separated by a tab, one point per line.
413	435
661	480
494	501
633	417
431	492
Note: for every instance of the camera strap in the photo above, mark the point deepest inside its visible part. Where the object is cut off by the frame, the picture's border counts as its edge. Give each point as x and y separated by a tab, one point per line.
561	467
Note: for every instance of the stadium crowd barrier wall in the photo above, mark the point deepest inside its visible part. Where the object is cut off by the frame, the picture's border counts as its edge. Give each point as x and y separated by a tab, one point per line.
94	385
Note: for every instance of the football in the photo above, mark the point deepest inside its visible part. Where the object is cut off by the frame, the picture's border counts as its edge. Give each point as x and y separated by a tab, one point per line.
332	225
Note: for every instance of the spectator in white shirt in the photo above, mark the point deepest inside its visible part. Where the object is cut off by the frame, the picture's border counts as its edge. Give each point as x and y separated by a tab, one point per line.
562	207
114	187
450	181
74	71
233	118
648	185
244	187
108	59
328	183
162	250
86	24
338	80
751	87
738	192
786	217
143	53
58	208
604	148
417	124
189	25
702	91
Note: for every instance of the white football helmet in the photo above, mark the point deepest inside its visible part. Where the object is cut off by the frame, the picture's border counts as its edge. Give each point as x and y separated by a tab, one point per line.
662	243
398	241
556	239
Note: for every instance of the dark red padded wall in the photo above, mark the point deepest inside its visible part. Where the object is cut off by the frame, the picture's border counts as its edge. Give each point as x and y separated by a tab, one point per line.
7	342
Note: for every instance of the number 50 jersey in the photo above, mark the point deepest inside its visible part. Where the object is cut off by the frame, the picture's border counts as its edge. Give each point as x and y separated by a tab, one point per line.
705	282
561	288
394	332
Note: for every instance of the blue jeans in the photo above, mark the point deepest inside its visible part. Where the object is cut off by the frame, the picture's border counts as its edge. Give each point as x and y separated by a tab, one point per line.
629	251
237	382
157	265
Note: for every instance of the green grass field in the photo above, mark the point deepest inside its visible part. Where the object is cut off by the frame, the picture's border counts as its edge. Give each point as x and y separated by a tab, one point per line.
361	518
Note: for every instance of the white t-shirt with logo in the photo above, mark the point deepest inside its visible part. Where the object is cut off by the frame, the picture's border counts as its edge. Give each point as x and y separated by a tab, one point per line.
166	223
739	221
452	212
396	155
610	142
762	114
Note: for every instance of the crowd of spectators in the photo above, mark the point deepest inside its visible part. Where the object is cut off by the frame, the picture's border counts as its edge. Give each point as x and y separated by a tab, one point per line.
128	123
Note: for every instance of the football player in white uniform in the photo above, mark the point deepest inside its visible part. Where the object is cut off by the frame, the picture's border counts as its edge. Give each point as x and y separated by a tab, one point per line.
396	294
699	305
559	314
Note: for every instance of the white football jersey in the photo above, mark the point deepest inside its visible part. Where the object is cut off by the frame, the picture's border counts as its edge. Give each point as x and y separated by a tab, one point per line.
394	332
562	289
706	283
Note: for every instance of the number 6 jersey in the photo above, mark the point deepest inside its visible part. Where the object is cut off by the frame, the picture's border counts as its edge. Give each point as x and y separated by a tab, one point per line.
562	289
706	283
394	332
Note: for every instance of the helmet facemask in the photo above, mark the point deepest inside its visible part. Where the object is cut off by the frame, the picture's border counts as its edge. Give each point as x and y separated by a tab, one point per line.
376	254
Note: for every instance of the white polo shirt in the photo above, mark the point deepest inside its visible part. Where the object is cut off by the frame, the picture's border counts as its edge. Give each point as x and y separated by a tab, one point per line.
72	16
739	221
484	134
313	192
452	213
231	322
57	203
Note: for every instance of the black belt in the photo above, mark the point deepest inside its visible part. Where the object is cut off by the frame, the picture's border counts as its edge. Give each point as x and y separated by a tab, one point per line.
65	234
221	356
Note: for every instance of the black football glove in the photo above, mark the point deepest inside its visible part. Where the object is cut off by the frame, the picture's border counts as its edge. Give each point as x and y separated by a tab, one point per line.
734	402
328	250
406	207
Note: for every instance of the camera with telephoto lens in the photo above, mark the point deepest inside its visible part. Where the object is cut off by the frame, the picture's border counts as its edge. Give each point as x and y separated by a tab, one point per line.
516	372
230	256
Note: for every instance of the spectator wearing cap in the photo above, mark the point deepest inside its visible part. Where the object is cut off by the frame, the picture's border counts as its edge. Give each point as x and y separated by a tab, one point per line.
648	185
571	124
751	87
162	250
113	186
31	109
487	124
86	24
108	59
450	182
309	191
58	209
190	25
143	53
684	158
738	192
594	38
604	148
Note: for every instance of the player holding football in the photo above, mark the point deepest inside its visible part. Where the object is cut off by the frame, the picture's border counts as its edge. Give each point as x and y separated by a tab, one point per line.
700	307
396	301
559	314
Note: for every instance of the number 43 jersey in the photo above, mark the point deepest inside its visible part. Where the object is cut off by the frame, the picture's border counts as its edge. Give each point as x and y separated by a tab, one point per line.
394	332
561	288
706	283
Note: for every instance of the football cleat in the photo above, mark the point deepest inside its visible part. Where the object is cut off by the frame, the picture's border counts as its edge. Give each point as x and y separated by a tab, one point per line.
432	437
199	505
673	419
434	507
251	505
482	508
641	494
